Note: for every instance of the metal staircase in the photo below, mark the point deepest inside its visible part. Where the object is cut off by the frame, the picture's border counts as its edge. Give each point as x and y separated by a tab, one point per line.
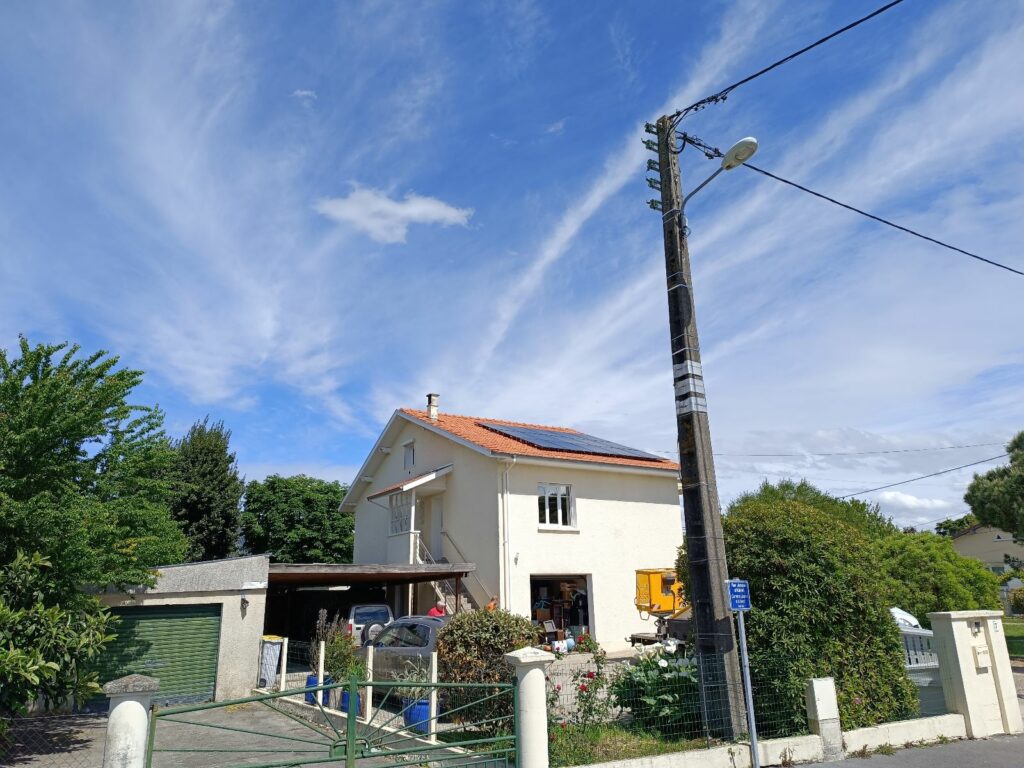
445	588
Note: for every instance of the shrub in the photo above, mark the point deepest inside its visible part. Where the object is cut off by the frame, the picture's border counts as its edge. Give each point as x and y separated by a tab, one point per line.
820	609
470	649
661	692
1017	600
341	658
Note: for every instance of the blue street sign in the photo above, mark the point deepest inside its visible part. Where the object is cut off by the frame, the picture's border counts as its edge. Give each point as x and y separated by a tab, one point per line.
739	595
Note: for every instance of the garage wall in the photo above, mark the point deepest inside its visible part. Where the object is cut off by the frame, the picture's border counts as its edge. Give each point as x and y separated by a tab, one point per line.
219	582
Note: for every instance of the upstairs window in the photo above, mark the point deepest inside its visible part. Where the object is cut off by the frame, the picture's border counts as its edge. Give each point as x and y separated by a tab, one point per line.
410	454
554	505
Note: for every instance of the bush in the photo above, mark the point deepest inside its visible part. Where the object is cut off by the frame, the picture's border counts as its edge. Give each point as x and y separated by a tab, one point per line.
1017	600
820	609
661	692
470	649
925	574
341	658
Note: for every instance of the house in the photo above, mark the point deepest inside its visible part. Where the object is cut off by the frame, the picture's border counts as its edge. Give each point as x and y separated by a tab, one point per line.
556	521
989	545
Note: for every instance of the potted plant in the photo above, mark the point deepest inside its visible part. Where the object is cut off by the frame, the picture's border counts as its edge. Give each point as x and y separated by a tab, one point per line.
415	698
342	662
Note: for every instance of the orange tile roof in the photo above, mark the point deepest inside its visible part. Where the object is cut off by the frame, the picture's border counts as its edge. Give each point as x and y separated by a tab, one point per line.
468	428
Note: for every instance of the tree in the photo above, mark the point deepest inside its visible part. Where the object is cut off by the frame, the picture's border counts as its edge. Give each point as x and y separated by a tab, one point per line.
819	609
206	490
954	525
997	497
83	501
924	573
298	520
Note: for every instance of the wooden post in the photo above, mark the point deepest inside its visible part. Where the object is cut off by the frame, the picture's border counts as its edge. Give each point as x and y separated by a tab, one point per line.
320	671
369	684
282	683
432	737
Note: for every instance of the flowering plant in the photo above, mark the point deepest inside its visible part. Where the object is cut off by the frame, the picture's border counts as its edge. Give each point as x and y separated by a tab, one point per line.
661	693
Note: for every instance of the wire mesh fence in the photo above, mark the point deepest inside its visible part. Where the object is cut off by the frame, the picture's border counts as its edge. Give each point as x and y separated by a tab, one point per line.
55	740
660	702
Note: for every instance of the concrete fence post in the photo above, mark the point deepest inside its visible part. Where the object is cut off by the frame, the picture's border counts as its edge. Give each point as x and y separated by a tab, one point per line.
974	663
823	716
128	721
530	665
432	699
284	665
320	670
369	684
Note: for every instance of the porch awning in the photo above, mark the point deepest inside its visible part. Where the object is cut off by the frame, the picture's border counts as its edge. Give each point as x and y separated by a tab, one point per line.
413	482
325	574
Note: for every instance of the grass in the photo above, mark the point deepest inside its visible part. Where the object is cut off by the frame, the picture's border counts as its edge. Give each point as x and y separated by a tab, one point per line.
1014	629
582	745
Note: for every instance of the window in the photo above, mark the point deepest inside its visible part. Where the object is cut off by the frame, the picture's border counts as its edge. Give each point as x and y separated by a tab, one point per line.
410	454
554	505
403	636
401	512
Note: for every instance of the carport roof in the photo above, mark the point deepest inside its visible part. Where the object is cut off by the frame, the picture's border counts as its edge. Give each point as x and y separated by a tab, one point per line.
301	574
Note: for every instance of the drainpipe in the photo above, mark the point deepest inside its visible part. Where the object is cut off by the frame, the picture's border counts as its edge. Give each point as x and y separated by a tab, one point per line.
506	567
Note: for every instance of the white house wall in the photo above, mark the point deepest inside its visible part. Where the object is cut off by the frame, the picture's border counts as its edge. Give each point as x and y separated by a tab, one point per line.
613	539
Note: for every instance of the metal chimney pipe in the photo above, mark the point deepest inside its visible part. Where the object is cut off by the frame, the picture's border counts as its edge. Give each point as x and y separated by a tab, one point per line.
432	406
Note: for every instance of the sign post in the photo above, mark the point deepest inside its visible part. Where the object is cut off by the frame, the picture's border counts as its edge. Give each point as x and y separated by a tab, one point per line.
739	603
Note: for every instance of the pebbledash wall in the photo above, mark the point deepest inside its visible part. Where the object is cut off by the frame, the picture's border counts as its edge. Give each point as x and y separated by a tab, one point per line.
220	582
626	518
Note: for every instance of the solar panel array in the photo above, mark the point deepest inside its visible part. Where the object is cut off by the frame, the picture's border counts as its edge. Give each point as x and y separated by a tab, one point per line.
576	442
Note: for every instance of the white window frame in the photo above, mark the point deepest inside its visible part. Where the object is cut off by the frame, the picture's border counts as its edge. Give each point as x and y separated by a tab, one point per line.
566	511
409	454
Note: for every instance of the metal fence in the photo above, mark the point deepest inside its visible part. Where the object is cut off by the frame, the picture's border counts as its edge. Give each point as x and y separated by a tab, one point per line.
601	710
55	740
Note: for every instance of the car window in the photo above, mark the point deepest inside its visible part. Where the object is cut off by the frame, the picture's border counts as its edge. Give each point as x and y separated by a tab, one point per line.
403	636
371	614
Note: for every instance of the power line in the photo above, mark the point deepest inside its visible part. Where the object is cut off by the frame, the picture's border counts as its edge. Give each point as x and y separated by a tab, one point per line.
922	477
723	94
885	221
846	453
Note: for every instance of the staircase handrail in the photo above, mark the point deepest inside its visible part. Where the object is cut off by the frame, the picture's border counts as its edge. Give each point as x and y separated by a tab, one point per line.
487	592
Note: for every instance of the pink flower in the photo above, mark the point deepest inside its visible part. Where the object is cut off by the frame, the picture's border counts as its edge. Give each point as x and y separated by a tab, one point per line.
591	675
583	688
558	687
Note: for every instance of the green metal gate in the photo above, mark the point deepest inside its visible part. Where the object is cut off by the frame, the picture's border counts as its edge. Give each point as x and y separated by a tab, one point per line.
177	644
475	725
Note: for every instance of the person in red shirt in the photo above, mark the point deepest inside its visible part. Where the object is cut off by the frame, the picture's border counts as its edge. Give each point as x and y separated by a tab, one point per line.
437	610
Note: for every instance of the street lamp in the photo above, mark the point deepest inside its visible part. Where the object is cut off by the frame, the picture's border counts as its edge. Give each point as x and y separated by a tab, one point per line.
737	155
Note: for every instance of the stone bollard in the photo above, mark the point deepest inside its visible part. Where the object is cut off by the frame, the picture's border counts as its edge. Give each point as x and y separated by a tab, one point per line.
530	665
823	716
128	721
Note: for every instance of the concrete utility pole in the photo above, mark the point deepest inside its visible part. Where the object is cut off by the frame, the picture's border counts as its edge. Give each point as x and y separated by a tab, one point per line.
722	690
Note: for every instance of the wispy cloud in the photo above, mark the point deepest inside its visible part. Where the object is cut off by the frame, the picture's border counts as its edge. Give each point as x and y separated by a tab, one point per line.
557	127
903	500
385	220
304	95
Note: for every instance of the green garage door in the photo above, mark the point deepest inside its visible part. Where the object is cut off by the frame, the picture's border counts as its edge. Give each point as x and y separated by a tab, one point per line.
177	644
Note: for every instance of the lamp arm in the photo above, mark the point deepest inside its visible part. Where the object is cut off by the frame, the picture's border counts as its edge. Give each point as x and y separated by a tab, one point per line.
698	188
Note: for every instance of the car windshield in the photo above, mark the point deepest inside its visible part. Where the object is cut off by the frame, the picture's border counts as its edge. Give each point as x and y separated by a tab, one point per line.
404	636
371	614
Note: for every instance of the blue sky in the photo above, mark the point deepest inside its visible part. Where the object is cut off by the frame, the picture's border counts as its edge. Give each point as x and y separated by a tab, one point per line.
298	217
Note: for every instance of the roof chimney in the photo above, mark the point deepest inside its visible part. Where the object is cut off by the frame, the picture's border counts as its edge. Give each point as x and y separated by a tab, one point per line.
432	406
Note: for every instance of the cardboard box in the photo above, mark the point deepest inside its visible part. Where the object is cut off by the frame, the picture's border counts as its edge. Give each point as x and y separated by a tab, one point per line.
542	614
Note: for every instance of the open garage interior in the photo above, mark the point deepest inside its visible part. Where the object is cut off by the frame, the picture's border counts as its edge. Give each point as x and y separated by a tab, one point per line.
561	605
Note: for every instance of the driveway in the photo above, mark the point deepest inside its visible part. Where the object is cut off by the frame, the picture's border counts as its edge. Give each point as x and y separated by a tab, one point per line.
997	752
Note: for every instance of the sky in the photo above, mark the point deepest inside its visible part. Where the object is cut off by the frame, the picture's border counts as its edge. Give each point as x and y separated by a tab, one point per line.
297	218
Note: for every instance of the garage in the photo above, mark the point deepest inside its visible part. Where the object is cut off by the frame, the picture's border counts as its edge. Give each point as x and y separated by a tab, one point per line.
178	644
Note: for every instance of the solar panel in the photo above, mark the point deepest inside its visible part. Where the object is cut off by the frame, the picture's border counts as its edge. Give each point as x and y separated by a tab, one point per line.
576	442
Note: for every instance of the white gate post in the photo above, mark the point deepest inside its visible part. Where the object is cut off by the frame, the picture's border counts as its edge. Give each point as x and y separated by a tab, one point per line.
432	699
320	671
128	721
369	683
530	665
284	665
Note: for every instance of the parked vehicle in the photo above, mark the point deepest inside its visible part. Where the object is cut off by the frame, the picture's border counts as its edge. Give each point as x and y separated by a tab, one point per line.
362	618
410	638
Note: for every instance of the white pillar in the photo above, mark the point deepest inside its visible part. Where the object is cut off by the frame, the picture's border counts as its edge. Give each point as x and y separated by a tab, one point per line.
369	683
977	679
432	698
823	716
284	665
128	721
530	665
320	671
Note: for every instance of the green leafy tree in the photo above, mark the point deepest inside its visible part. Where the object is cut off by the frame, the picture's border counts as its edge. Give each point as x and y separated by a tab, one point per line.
297	520
924	573
207	490
954	525
819	610
996	498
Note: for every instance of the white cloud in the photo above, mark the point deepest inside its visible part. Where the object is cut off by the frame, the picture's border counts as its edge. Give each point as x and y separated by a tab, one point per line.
387	221
907	501
306	96
556	127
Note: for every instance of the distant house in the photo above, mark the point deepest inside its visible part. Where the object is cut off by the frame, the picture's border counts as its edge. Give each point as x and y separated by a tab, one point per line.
556	521
989	545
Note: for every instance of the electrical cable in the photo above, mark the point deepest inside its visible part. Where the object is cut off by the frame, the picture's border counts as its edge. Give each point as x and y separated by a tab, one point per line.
723	94
922	477
884	221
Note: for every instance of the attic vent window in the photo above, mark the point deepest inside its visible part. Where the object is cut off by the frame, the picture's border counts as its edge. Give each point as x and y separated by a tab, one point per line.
410	454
